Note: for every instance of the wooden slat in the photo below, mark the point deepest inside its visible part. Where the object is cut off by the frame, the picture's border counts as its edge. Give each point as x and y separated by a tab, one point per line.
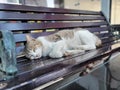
36	26
98	29
37	74
105	35
5	16
22	38
108	40
19	50
8	7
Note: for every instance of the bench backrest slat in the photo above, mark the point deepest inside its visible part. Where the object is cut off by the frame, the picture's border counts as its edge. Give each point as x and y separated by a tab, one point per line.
21	8
43	17
36	26
21	37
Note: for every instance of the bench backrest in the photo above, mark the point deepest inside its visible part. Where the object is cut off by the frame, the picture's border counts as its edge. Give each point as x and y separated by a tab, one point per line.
40	21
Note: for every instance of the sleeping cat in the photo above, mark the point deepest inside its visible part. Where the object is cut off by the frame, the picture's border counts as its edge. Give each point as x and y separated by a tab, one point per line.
62	43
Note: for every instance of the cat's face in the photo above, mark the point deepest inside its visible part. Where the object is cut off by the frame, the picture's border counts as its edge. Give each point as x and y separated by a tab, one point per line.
33	48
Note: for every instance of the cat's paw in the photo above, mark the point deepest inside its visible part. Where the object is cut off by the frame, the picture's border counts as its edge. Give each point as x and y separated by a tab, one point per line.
79	48
67	54
55	54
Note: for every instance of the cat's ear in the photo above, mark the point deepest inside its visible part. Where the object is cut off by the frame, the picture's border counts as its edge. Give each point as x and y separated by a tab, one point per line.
29	38
57	37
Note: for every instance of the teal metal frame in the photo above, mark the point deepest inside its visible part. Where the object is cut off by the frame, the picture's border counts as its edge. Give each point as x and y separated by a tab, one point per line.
7	52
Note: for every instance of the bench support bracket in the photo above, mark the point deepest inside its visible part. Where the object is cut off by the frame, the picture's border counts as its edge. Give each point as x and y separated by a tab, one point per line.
7	52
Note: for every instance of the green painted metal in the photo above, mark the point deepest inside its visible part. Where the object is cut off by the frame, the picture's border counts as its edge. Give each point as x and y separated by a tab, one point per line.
7	52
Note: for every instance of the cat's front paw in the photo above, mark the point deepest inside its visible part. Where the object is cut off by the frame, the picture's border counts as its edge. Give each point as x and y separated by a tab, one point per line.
67	54
55	54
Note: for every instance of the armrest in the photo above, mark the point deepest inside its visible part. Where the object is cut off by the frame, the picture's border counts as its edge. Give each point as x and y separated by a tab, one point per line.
7	52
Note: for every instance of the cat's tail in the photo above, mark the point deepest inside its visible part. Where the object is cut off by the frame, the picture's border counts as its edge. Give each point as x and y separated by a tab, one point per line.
98	42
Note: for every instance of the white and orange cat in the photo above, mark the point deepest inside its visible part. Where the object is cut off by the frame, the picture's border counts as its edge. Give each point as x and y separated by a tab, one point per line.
62	43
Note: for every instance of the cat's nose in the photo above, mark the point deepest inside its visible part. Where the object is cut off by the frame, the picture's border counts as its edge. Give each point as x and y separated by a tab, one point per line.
38	56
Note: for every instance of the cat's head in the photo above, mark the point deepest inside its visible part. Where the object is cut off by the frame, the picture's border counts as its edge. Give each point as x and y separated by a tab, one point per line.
33	48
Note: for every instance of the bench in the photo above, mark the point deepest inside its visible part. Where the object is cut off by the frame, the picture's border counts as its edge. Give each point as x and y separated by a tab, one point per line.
42	21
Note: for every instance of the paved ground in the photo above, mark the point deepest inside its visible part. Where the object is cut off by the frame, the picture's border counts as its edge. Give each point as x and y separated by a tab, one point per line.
115	71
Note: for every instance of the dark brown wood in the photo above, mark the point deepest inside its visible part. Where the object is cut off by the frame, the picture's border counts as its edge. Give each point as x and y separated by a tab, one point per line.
8	16
98	29
69	65
52	25
22	8
21	37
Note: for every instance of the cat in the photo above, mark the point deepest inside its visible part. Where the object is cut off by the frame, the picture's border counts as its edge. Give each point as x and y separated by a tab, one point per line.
63	43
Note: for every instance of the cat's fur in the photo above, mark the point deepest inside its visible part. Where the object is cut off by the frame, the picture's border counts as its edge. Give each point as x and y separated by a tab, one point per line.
62	43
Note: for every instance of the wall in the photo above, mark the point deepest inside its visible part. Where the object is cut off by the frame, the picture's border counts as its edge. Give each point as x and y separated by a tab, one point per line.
93	5
36	2
105	7
48	3
13	1
115	15
10	1
3	1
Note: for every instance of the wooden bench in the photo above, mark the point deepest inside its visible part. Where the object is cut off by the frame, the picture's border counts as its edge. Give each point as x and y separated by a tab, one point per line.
41	21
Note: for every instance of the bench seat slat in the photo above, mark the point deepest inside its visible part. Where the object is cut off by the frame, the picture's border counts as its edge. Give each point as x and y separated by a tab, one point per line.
62	68
36	26
4	16
65	59
22	8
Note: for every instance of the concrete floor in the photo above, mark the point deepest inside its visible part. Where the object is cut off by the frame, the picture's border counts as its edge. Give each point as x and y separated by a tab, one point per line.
114	67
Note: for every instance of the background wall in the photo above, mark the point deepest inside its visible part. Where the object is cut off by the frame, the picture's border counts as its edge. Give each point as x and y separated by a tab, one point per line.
94	5
44	3
3	1
106	9
36	2
115	15
10	1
